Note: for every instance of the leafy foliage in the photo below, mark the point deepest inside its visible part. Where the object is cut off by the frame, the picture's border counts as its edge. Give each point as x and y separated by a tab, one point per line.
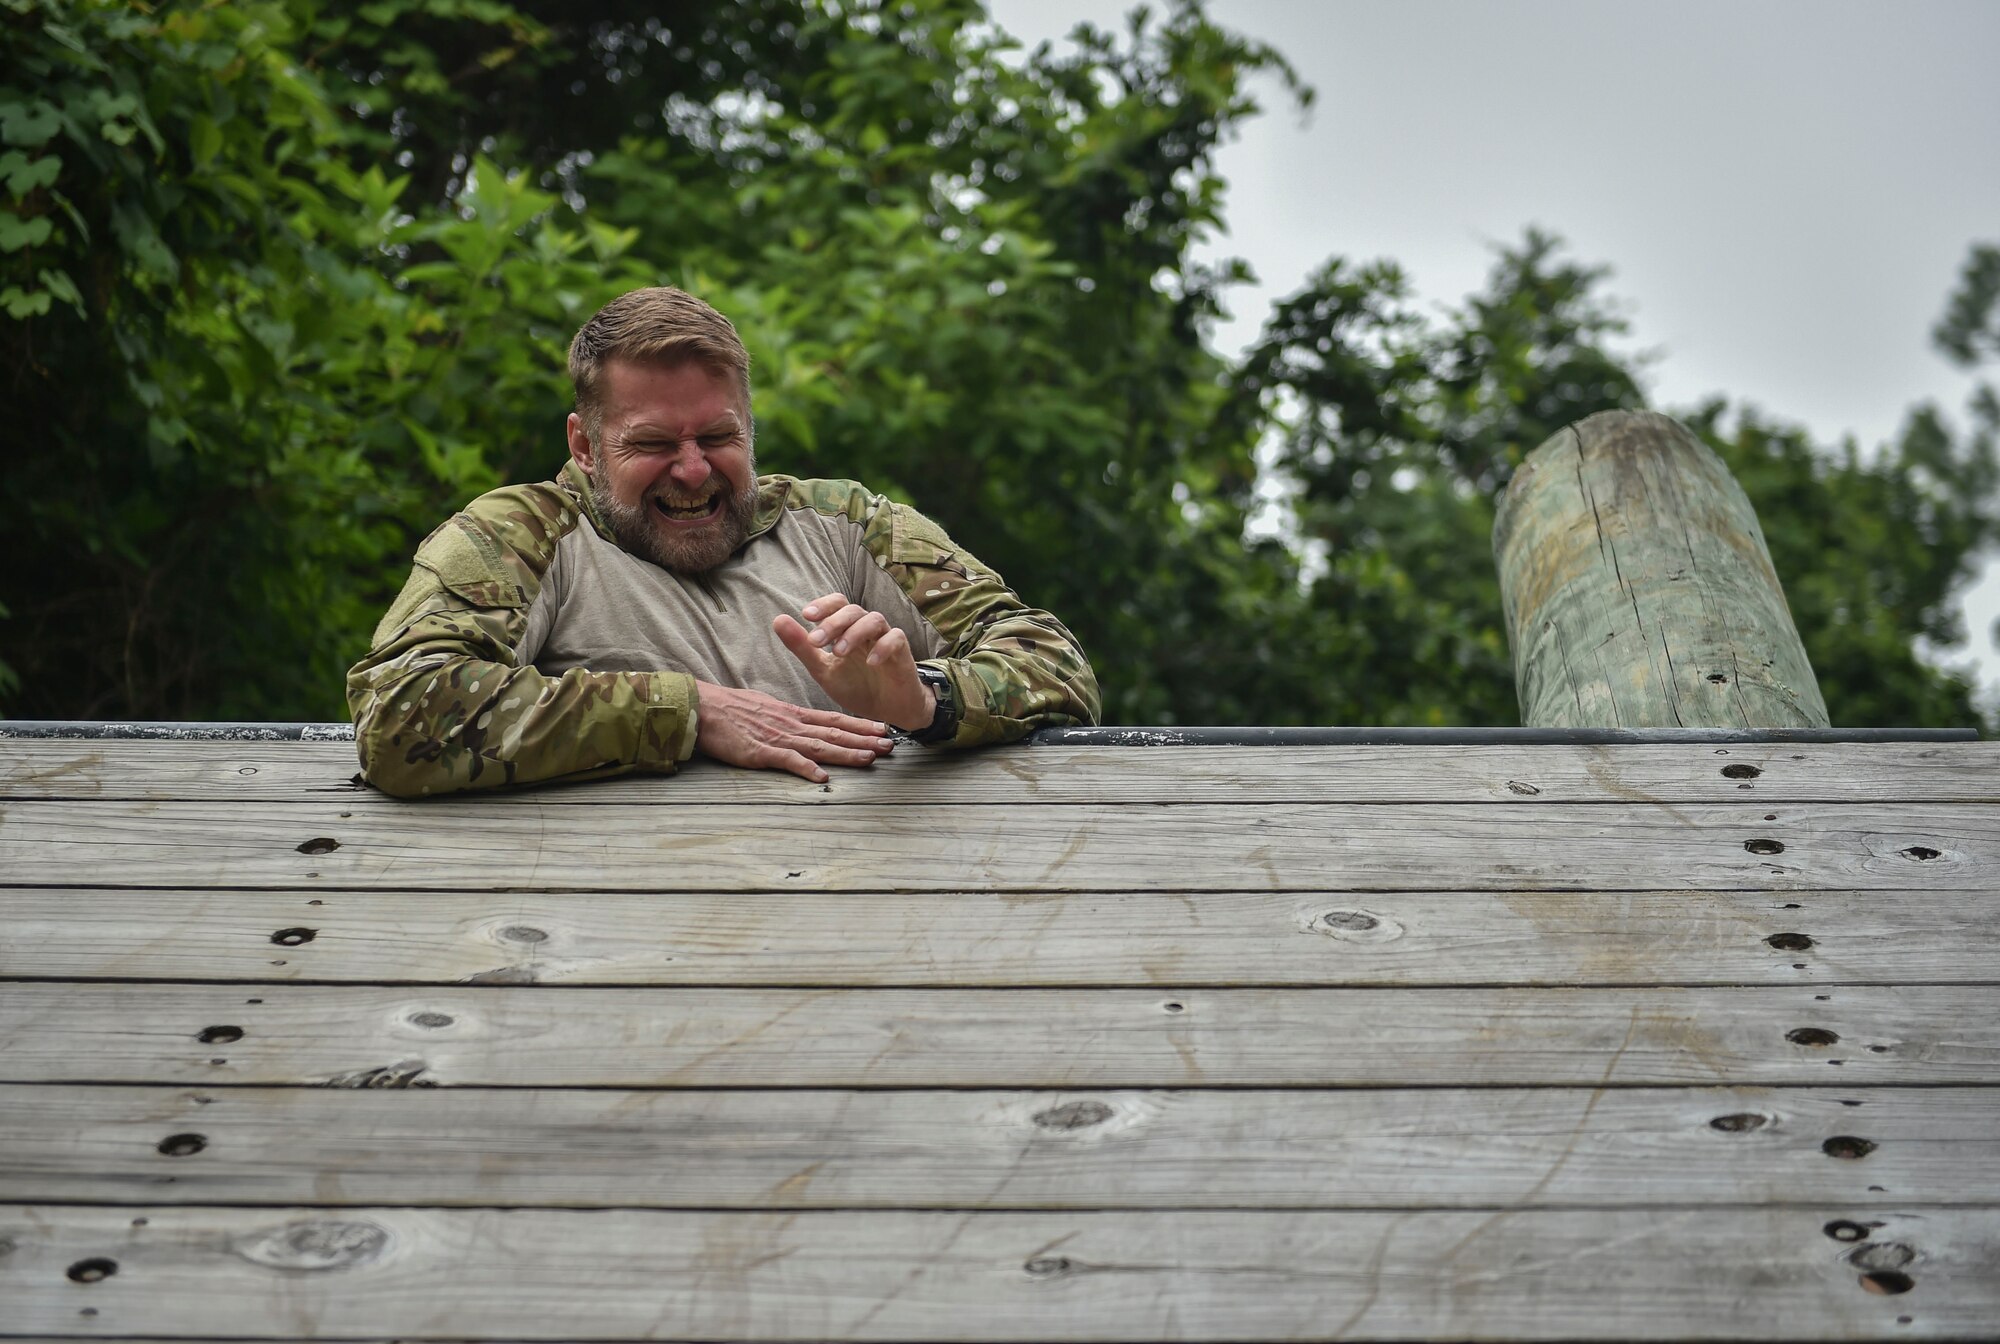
1871	551
287	281
249	370
1969	331
1403	435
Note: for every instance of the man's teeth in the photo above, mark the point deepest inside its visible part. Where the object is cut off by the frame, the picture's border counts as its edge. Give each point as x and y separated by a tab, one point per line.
701	510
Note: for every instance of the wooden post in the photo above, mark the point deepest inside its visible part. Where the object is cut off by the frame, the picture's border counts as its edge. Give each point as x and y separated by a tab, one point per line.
1638	589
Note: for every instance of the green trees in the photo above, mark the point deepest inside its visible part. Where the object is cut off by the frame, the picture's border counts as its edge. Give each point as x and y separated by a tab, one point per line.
285	282
1403	433
242	365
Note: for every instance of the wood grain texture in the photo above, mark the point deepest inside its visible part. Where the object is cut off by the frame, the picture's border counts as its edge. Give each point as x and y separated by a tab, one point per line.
1638	589
1093	776
1318	847
969	938
1045	1044
539	1037
1211	1274
1113	1148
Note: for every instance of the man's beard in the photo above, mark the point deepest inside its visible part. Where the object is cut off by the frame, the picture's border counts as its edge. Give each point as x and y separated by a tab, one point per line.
640	530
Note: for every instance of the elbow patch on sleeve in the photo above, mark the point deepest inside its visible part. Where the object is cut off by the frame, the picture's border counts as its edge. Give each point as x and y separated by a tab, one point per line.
469	563
946	583
916	540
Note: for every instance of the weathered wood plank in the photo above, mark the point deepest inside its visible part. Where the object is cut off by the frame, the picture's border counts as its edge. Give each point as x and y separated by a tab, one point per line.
1211	1274
1783	772
541	1037
975	938
515	846
1309	1148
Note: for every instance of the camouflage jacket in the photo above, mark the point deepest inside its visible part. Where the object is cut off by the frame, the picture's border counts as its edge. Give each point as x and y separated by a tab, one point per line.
450	697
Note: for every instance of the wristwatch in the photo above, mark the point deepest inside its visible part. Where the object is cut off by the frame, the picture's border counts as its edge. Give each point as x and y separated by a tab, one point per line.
944	721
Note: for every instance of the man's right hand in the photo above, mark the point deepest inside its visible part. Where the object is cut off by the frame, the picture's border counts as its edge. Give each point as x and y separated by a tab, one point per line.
762	732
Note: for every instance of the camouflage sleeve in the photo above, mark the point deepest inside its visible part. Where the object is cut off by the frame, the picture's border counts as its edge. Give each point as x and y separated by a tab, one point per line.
440	703
1013	667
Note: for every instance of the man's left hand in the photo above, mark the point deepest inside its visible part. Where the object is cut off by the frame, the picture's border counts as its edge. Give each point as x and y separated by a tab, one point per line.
860	660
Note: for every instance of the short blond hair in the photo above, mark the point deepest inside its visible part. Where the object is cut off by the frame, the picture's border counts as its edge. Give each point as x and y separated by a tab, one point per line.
656	323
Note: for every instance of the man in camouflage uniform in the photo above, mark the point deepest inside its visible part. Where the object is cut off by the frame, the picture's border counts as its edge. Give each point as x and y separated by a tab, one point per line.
654	601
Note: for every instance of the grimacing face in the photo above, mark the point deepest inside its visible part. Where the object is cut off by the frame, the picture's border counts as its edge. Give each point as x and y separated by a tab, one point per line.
673	470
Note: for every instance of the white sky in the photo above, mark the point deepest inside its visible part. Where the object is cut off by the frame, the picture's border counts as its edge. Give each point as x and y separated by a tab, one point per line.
1785	189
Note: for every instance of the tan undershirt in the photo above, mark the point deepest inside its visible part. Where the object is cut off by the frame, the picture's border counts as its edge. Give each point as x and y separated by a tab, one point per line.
605	609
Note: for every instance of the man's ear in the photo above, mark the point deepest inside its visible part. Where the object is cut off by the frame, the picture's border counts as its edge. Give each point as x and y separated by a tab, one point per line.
579	443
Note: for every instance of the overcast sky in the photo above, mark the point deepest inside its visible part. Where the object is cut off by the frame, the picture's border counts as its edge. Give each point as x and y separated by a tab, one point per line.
1785	189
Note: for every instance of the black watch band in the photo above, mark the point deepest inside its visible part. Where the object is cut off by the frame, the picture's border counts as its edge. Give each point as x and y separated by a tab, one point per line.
944	720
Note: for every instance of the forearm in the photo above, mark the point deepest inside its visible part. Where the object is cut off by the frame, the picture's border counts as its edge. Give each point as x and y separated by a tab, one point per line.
439	720
1018	670
1013	668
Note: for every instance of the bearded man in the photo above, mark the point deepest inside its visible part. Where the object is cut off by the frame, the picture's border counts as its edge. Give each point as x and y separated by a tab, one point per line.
660	598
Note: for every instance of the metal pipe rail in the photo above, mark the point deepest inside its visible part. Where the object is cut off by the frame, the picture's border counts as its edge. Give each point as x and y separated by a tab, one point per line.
1111	736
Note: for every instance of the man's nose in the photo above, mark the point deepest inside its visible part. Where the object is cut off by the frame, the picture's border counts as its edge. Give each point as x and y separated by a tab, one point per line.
690	466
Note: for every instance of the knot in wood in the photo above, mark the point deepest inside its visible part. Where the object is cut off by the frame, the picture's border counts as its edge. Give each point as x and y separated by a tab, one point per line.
94	1270
1790	942
294	937
1049	1266
1358	926
1882	1255
1074	1115
431	1020
1847	1147
403	1073
1846	1229
316	1246
1740	772
1921	853
524	933
1742	1122
1764	846
323	844
182	1145
1812	1036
